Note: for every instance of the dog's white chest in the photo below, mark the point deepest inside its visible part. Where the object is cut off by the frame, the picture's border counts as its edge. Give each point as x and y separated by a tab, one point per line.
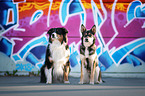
57	51
58	54
86	52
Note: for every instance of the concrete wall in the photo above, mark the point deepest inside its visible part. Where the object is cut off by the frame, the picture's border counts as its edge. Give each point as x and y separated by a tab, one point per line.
120	33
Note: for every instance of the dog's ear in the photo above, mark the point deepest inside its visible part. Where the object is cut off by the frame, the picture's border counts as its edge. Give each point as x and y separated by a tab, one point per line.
64	30
64	34
64	39
83	28
93	29
50	31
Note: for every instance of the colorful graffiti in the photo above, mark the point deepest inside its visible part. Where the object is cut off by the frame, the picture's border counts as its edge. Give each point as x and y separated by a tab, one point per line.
120	32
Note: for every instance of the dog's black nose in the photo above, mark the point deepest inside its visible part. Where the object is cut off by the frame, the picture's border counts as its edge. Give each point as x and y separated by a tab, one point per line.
86	40
53	35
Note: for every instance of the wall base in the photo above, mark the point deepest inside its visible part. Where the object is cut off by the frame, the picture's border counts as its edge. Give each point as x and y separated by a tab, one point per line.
124	74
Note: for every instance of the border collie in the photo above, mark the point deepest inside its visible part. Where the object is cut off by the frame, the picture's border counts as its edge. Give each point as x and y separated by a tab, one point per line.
90	71
57	66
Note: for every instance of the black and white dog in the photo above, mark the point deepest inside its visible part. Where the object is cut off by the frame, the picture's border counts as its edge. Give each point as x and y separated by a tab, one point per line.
57	66
90	71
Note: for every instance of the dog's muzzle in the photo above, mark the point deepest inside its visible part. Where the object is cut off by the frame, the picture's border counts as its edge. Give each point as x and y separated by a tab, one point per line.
86	40
53	35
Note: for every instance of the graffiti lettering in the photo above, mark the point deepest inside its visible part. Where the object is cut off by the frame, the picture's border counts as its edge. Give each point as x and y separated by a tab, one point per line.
24	67
120	31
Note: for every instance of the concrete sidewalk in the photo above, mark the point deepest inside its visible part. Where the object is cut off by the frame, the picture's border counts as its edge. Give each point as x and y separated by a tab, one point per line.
30	86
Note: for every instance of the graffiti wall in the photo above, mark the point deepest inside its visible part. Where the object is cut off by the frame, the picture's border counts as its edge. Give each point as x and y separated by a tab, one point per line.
120	32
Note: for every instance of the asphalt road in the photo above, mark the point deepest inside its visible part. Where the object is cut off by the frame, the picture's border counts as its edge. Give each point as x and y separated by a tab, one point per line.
30	86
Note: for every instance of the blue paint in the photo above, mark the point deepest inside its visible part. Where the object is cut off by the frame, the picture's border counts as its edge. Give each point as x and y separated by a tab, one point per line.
6	46
73	59
4	7
119	54
130	13
39	51
98	50
140	12
75	7
135	61
99	19
139	52
24	67
41	40
32	59
64	11
16	58
36	16
127	60
105	59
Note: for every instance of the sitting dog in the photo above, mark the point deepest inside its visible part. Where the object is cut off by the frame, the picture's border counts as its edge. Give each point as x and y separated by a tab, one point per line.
90	71
57	66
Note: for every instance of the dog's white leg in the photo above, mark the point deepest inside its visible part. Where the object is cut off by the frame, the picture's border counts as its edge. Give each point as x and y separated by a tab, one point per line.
92	71
48	74
100	77
92	77
97	71
86	78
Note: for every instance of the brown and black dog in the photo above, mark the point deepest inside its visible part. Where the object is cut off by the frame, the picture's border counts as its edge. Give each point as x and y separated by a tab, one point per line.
57	66
90	71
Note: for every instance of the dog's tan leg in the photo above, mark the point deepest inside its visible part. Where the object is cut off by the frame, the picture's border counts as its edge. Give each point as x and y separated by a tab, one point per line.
100	77
93	66
66	72
82	72
97	70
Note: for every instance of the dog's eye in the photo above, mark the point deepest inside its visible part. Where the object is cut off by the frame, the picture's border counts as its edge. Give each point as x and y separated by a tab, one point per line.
90	35
58	32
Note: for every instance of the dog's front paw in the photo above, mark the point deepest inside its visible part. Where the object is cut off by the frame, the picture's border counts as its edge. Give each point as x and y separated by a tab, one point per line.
66	82
81	82
97	82
92	83
48	82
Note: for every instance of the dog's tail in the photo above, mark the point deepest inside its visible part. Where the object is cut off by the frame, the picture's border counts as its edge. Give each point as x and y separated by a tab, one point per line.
42	77
103	81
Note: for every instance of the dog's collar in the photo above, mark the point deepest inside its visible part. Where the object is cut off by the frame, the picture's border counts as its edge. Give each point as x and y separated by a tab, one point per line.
90	49
82	46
